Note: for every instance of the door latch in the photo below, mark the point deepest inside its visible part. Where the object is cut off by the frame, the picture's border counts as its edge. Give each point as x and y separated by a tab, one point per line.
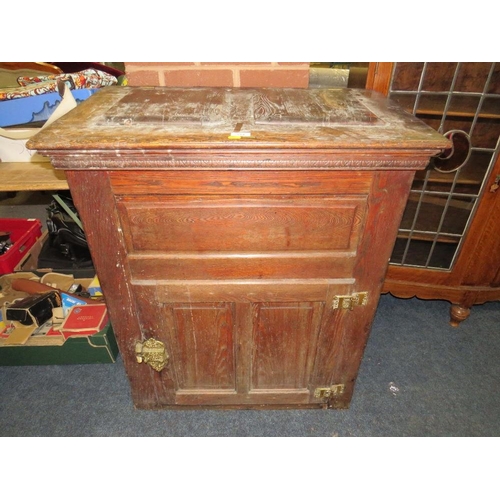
153	353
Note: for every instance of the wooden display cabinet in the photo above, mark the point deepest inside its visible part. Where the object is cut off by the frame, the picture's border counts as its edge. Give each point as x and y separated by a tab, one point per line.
448	245
241	236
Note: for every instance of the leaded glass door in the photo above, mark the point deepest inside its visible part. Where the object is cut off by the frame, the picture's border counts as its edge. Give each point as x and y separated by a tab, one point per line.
462	101
448	244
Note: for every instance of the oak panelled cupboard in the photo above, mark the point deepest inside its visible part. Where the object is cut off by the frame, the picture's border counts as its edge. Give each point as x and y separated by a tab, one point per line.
241	236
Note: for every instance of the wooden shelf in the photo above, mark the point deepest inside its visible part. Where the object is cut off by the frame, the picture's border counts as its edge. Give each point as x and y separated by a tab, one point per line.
468	177
456	114
461	106
31	176
418	236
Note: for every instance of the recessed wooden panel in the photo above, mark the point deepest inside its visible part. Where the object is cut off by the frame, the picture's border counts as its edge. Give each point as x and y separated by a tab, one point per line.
284	344
194	107
243	225
204	345
288	107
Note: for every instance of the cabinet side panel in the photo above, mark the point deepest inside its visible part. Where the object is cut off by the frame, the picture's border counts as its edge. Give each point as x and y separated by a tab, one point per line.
102	229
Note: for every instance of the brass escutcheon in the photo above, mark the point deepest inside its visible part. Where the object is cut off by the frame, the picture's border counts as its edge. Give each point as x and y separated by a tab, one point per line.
153	353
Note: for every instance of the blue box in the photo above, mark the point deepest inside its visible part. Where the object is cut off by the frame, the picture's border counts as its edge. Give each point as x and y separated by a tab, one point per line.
36	108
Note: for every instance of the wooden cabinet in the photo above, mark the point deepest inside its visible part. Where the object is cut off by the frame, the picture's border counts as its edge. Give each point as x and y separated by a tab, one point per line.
448	244
241	236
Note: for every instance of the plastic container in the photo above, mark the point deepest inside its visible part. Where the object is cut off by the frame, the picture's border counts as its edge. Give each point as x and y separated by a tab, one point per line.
23	233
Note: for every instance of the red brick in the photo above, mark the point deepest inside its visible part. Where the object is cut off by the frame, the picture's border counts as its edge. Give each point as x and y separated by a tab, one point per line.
274	78
305	64
230	64
199	78
143	78
135	65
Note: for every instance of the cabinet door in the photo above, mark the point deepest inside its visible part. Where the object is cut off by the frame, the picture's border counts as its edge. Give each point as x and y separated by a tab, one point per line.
241	344
237	288
238	275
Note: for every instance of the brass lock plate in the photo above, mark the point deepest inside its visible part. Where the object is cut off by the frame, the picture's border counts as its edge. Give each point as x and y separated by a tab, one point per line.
153	353
350	301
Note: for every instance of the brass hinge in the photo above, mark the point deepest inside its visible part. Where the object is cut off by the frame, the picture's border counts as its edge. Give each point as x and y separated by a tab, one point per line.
350	301
328	392
153	353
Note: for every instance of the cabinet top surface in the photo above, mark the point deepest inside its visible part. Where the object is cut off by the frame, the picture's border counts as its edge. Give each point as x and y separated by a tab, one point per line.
163	118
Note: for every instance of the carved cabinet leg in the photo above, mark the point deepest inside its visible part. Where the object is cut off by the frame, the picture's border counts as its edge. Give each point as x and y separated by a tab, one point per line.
458	314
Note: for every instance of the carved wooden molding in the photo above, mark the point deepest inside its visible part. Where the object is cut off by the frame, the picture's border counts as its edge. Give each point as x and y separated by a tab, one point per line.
152	161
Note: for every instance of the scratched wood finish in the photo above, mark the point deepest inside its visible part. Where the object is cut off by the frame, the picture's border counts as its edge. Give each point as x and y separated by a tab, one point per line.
289	106
109	254
129	123
344	335
231	251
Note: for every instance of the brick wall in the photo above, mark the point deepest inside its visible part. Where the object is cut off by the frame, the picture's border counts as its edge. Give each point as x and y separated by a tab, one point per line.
205	74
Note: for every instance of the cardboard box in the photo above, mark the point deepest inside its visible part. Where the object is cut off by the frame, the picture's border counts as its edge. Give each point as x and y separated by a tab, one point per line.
49	343
98	348
29	261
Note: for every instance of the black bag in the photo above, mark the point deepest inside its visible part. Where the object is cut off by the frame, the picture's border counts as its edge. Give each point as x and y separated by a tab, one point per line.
66	235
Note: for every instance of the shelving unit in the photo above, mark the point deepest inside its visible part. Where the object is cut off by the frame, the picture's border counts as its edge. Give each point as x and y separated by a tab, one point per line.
34	176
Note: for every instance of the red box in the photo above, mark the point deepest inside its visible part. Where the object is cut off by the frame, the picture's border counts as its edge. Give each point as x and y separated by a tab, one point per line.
23	234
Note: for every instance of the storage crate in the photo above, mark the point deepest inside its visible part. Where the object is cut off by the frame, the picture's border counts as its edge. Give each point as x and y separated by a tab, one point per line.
23	233
53	343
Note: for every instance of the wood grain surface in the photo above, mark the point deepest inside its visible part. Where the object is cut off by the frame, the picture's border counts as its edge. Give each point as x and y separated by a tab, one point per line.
162	119
232	251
